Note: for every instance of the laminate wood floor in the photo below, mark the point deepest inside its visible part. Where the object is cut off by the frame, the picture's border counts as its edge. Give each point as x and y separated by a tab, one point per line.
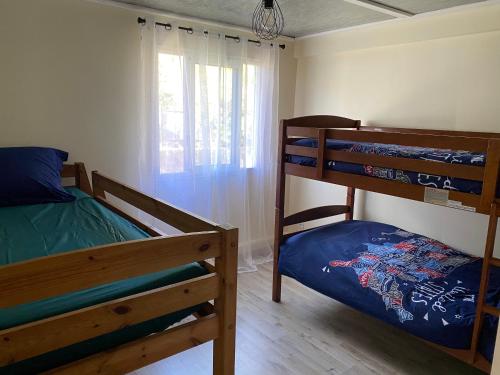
308	334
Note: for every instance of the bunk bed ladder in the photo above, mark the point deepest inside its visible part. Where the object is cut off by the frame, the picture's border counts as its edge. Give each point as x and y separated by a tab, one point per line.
488	261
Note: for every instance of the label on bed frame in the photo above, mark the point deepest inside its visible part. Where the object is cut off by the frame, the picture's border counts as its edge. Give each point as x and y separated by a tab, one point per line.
441	197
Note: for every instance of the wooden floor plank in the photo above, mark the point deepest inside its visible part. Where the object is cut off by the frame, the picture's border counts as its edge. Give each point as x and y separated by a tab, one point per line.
309	333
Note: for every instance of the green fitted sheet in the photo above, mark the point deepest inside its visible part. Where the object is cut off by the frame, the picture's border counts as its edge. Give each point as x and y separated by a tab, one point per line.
34	231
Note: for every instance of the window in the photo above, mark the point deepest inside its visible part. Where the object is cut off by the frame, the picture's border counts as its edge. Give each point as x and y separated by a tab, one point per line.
207	114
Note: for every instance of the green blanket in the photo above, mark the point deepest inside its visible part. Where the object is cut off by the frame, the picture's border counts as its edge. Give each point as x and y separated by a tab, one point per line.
28	232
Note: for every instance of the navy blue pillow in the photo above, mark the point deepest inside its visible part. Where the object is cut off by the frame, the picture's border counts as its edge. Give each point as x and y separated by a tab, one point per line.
31	175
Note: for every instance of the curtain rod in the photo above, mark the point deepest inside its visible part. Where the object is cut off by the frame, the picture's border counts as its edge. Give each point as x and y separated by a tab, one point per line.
190	30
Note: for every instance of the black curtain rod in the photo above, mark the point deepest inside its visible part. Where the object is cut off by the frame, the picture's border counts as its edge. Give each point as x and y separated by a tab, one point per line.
190	30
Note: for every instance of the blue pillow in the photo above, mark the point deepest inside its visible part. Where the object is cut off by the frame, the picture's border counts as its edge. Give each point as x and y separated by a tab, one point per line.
31	175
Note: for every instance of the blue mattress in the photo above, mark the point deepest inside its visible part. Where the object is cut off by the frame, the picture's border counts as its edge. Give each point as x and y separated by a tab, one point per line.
405	279
421	153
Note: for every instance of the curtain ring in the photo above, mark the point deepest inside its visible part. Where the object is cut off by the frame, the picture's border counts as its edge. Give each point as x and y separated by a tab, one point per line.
190	30
168	27
237	39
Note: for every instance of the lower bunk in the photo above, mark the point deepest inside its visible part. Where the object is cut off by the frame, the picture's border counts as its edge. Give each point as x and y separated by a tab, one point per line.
410	281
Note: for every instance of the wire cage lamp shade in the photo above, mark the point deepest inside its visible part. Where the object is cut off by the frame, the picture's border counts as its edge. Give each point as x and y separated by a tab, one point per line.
268	21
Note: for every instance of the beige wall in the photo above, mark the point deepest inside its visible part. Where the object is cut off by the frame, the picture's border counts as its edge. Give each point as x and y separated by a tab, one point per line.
439	72
69	79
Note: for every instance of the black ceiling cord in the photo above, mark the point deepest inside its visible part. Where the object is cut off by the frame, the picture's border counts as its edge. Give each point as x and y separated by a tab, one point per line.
189	30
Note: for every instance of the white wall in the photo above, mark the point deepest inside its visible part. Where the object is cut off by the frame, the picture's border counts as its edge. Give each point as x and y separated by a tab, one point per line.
69	78
440	72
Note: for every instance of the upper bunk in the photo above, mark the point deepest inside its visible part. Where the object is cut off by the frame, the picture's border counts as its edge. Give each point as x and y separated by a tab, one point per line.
406	163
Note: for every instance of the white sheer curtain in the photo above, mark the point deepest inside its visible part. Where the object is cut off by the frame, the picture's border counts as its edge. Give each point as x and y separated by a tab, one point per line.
209	130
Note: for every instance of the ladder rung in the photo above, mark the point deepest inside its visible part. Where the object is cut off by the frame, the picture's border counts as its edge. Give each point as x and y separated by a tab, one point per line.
495	262
491	310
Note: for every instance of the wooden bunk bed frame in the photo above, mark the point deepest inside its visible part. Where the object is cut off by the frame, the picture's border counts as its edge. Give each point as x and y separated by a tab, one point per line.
77	270
332	127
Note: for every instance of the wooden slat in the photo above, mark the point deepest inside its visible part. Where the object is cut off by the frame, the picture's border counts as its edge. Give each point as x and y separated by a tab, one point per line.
491	174
82	179
495	262
77	270
310	152
210	268
146	228
468	172
315	214
323	121
205	310
405	139
378	185
40	337
411	191
464	355
481	363
225	306
491	310
294	131
169	214
68	170
476	144
142	352
431	131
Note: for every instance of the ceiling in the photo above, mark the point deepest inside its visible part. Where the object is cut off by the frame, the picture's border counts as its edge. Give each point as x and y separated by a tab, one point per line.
302	17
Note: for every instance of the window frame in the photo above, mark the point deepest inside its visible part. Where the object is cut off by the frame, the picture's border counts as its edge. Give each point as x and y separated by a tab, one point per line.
189	114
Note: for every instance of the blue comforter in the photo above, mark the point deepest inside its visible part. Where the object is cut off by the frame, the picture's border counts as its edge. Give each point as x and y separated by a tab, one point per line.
405	279
421	153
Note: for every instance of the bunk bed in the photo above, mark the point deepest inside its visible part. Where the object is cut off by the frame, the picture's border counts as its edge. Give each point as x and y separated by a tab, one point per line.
439	294
116	304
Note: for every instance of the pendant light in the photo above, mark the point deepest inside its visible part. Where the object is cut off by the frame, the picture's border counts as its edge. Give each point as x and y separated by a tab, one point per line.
268	21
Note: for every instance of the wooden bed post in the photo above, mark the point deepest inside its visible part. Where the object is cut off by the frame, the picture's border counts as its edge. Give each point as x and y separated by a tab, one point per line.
483	288
225	304
351	192
82	181
279	211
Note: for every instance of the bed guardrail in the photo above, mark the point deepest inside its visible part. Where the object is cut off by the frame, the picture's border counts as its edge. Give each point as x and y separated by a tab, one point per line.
77	270
487	174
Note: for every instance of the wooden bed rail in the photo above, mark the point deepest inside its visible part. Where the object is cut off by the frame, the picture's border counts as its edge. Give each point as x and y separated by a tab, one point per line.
79	173
80	325
488	174
447	142
150	349
315	214
180	219
430	131
81	269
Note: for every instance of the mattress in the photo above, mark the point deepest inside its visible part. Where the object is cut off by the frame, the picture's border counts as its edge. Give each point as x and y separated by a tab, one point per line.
409	177
28	232
410	281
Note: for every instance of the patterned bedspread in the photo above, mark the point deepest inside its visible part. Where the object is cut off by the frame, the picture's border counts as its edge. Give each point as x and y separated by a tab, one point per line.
440	182
413	282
